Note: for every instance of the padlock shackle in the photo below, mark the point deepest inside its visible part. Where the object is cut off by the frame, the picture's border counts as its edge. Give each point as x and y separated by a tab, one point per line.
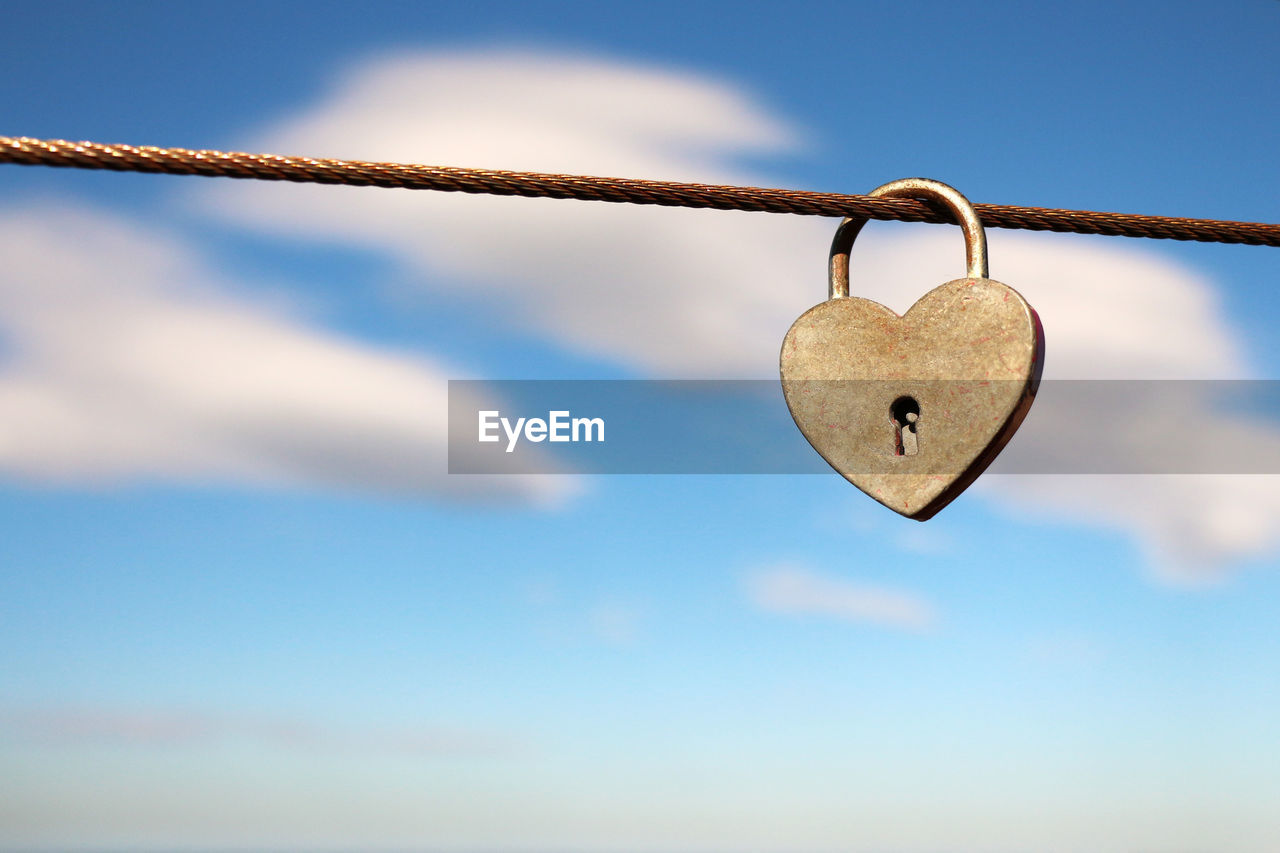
975	239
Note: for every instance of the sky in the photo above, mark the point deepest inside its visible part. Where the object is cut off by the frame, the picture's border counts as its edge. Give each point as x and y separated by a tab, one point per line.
244	605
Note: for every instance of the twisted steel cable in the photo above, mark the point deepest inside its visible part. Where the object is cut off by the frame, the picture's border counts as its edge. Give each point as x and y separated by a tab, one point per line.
275	167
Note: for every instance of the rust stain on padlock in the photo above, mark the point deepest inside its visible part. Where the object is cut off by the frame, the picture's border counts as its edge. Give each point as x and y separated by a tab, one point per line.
965	361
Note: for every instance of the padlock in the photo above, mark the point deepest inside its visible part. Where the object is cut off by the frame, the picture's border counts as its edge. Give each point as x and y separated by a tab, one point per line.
912	409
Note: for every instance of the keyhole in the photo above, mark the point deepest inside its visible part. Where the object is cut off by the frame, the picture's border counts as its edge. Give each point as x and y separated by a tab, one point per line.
905	412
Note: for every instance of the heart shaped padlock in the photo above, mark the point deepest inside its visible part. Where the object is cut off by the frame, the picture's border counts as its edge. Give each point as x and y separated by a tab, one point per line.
912	409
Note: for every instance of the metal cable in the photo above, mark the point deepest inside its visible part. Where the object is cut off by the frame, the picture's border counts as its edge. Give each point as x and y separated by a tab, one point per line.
274	167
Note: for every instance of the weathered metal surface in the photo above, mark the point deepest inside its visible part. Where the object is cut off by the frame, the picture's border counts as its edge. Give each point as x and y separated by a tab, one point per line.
912	409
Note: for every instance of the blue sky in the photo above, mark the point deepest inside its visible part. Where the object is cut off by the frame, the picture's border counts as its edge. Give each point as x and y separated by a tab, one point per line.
242	605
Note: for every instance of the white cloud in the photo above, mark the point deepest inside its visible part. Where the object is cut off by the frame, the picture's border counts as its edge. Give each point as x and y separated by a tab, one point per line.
533	111
795	591
1111	309
1191	528
672	292
126	358
708	294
